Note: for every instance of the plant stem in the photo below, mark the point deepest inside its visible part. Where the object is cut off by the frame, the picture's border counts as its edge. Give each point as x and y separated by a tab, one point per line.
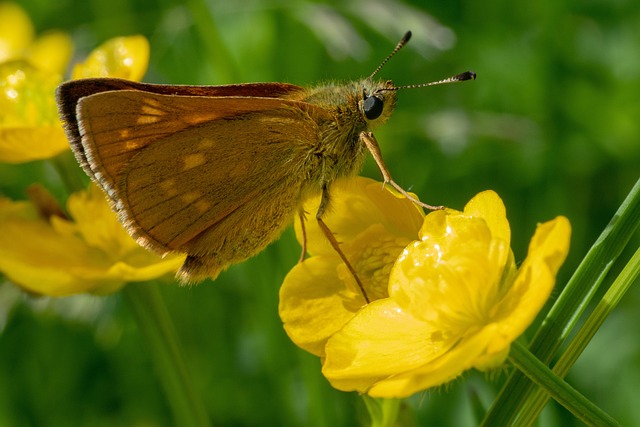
610	300
562	392
153	320
570	304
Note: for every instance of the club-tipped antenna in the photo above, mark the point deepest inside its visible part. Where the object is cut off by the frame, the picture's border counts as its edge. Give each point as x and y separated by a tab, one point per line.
467	75
399	46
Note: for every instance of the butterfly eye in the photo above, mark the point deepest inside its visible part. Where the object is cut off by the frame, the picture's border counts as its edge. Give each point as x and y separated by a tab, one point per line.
372	107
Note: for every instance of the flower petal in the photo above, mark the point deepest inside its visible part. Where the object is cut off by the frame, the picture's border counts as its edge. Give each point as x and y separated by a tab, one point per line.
50	257
18	145
98	224
489	206
16	31
120	57
448	277
534	281
51	52
315	303
381	340
439	371
29	124
34	256
357	203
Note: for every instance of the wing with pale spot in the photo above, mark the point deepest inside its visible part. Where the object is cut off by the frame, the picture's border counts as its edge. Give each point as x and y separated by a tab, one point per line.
180	167
69	94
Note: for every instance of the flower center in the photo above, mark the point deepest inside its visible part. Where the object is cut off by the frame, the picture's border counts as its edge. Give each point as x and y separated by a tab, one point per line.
372	254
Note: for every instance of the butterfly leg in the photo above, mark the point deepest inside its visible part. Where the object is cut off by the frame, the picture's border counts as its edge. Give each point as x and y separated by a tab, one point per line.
303	218
324	202
373	147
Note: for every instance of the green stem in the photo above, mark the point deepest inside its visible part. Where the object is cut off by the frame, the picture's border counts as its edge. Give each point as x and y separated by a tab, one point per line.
569	306
383	412
563	393
620	286
153	320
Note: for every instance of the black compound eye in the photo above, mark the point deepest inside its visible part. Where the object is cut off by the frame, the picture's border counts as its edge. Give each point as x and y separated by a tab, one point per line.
373	107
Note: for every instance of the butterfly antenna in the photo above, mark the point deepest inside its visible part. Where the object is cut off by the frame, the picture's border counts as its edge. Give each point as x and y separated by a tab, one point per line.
467	75
399	46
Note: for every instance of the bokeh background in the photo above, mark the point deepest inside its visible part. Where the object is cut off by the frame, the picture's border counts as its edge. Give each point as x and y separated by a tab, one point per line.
552	124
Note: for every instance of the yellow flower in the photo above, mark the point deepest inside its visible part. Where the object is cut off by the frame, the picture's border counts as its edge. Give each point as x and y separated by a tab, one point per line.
456	301
16	31
47	253
51	51
120	57
29	124
319	296
41	249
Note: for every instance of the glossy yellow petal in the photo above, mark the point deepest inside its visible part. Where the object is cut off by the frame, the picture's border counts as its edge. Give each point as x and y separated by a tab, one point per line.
489	206
448	277
534	281
120	57
357	203
380	341
315	303
51	52
445	368
16	31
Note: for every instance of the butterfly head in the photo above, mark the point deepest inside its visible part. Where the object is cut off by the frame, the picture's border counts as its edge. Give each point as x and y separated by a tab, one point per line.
377	102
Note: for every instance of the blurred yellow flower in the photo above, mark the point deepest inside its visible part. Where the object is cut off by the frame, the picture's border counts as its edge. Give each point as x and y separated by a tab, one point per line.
456	302
120	57
32	69
47	253
16	31
29	124
50	51
41	248
319	295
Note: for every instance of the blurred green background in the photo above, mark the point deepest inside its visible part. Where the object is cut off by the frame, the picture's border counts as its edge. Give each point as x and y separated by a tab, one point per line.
552	124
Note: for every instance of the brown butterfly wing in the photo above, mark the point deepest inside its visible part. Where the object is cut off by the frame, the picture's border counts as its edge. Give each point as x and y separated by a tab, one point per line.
215	177
69	94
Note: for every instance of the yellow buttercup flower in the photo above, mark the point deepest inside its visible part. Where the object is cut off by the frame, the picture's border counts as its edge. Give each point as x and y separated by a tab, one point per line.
319	296
456	301
41	248
120	57
29	125
47	253
30	70
51	51
16	31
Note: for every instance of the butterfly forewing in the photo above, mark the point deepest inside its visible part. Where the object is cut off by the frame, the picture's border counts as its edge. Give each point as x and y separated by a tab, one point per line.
112	135
181	177
69	94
